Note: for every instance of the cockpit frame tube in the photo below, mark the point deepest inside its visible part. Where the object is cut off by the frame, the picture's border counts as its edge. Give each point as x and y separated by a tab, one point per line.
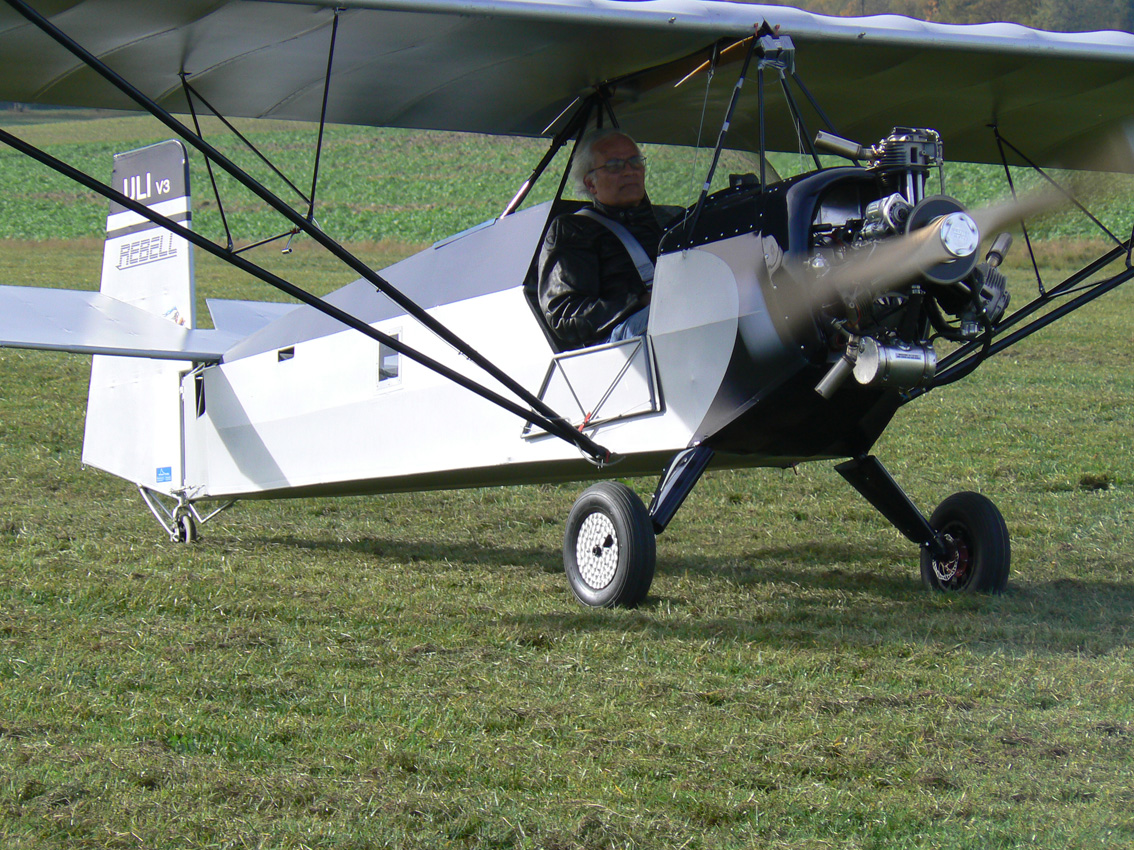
558	426
578	119
964	360
696	214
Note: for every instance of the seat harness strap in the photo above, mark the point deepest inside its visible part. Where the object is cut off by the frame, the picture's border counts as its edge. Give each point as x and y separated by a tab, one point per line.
638	255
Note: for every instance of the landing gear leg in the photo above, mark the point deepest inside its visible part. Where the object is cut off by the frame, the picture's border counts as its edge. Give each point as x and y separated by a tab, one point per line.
677	481
964	545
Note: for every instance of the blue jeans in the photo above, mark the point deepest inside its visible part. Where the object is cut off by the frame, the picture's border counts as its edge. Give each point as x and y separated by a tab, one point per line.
633	325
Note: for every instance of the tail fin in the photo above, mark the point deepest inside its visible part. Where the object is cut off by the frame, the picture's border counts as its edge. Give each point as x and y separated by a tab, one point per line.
134	425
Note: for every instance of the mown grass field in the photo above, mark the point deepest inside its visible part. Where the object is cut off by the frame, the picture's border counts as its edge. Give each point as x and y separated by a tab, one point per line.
411	672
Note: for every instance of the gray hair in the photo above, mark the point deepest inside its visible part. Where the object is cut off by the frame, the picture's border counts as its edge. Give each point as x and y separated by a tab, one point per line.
583	163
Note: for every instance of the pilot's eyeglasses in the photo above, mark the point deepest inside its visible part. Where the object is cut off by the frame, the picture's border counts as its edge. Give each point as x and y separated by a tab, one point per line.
617	166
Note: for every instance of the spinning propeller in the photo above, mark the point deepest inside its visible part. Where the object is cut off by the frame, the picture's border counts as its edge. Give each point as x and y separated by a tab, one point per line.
895	244
944	250
941	238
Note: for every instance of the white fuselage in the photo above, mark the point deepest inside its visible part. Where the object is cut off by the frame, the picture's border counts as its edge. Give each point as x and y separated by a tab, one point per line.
307	406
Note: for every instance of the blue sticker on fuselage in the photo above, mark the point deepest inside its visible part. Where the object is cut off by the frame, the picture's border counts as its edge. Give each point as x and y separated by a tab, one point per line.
164	473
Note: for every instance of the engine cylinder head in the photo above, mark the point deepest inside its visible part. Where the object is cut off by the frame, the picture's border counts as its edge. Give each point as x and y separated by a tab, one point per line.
909	149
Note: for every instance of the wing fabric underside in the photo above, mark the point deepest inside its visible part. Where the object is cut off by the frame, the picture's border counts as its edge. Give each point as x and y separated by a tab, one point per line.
512	66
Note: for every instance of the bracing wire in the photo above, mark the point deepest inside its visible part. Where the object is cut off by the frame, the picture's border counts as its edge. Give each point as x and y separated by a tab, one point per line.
695	163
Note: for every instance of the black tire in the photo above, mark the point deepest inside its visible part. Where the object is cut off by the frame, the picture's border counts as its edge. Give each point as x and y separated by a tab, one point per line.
185	529
609	550
980	553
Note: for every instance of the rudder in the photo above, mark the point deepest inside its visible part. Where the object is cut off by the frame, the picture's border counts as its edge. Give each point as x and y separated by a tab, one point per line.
134	427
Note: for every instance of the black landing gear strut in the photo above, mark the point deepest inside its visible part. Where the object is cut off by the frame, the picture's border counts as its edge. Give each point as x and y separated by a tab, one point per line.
964	545
609	550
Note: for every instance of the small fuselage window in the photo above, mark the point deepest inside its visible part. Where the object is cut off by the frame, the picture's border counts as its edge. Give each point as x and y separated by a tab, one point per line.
389	362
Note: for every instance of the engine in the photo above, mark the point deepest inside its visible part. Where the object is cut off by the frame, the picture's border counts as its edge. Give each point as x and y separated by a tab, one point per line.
896	268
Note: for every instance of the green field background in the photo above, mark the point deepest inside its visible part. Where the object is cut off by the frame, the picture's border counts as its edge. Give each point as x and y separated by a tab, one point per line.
410	671
400	186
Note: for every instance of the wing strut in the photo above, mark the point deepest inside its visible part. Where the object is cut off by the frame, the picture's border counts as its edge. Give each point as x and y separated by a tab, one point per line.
538	409
965	359
208	164
323	116
191	93
1001	143
554	425
190	90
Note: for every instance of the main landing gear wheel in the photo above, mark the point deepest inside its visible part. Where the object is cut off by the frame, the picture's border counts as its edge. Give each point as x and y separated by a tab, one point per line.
609	551
979	550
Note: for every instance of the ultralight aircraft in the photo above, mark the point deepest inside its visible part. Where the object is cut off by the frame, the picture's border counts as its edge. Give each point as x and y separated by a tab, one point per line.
791	318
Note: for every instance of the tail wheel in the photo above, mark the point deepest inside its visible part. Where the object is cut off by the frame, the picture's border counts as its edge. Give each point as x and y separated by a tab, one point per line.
979	552
184	529
609	550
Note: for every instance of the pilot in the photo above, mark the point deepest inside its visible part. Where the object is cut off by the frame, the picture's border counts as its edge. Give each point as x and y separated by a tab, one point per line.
591	286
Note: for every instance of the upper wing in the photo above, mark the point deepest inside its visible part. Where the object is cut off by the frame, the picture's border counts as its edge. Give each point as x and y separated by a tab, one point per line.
512	66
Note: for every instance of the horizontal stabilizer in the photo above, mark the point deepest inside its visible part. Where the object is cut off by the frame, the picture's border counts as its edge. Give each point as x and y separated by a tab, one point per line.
245	317
84	322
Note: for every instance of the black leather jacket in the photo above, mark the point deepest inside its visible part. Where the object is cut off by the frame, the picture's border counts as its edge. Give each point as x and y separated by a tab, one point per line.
587	281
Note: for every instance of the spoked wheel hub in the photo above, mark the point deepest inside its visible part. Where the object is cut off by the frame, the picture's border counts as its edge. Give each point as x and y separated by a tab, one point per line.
953	571
597	550
978	552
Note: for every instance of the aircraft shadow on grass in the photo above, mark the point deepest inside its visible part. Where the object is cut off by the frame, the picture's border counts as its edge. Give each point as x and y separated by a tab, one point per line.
1053	617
